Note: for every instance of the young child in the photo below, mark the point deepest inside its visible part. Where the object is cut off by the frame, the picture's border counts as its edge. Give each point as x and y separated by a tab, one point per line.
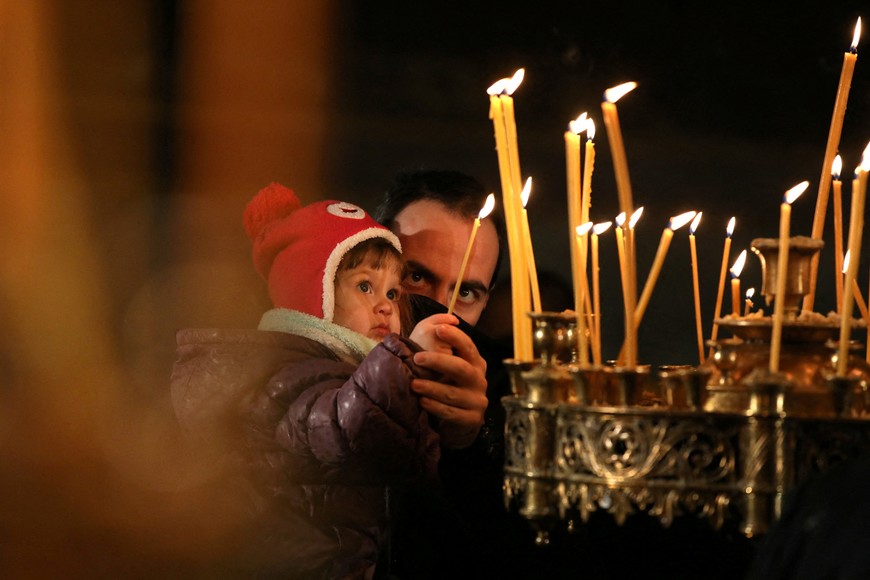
311	416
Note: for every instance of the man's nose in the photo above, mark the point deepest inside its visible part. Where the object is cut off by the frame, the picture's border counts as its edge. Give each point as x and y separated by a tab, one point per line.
442	294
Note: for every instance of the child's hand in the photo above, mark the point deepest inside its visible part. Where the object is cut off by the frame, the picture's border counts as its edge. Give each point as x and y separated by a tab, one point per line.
426	336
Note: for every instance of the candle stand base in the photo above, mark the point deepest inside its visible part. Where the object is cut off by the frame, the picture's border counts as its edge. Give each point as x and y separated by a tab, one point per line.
724	441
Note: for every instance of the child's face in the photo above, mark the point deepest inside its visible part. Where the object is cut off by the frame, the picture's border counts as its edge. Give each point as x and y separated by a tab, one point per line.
367	300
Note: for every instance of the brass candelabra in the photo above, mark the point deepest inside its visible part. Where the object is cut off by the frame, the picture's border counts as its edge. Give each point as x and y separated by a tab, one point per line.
725	440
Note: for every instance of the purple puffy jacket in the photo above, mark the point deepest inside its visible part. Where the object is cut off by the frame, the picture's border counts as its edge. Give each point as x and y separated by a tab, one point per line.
307	445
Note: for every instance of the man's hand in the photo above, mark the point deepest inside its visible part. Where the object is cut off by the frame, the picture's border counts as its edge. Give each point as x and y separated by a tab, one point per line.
460	401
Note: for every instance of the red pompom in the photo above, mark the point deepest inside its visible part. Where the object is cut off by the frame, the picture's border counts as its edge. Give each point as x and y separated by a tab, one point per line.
272	203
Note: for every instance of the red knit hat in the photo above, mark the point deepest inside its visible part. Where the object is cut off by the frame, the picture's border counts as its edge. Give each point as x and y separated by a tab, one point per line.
297	249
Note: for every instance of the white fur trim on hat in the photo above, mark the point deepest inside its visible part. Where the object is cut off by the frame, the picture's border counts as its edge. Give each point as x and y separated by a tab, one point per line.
338	253
350	346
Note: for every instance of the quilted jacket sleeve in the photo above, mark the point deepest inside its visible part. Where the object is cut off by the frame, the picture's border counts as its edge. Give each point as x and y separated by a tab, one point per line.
368	428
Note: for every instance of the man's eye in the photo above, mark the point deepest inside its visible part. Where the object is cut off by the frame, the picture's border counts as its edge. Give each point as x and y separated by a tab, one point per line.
467	296
415	279
364	287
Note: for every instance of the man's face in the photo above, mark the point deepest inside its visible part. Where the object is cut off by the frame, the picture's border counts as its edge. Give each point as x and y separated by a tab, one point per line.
433	245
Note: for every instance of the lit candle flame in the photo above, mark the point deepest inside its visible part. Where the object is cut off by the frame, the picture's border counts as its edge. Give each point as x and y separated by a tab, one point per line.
679	221
634	217
737	268
584	229
846	260
515	81
750	293
620	220
695	222
590	129
497	87
865	159
507	86
729	231
613	94
599	229
837	168
578	125
526	192
488	206
792	194
855	37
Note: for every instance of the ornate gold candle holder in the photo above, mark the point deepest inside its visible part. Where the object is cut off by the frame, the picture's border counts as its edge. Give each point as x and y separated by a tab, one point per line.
724	441
801	249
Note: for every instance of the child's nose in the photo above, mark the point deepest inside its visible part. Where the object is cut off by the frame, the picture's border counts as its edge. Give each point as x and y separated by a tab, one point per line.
384	306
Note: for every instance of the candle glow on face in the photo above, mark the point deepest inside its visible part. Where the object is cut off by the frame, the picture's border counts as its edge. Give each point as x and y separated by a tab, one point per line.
613	94
737	268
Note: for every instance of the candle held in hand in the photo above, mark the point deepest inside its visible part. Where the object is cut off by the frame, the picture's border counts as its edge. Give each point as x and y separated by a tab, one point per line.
487	208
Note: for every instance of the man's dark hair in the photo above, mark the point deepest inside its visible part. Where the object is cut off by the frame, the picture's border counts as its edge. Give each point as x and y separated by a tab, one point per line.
458	192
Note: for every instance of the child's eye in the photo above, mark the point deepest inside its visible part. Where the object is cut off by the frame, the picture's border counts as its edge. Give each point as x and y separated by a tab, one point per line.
364	287
393	294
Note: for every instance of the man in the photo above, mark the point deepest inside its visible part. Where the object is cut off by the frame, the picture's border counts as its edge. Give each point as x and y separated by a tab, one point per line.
432	214
463	527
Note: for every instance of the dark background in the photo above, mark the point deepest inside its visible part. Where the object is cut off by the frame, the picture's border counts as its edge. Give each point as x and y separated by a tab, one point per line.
132	134
733	108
